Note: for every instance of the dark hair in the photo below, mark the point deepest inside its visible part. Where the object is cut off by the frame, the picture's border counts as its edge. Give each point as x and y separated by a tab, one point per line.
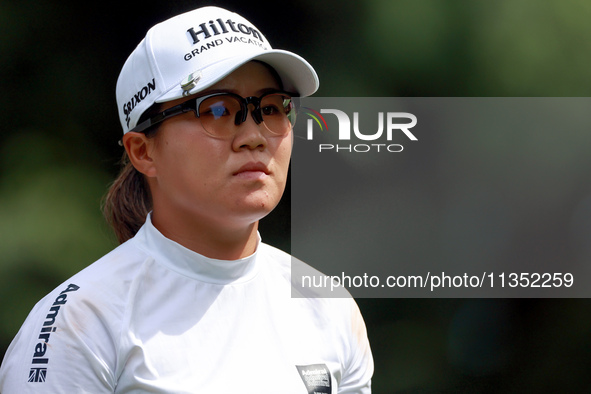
128	201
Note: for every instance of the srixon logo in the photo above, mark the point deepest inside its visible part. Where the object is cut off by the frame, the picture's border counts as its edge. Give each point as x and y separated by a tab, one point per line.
38	372
137	98
389	126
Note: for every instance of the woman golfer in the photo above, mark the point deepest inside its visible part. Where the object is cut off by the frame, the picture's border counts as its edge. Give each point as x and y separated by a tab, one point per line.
193	301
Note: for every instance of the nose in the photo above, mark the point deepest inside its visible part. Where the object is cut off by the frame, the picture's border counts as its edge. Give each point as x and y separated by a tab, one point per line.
250	133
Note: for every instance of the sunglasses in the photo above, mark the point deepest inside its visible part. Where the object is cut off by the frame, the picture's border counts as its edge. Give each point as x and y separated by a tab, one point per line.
221	112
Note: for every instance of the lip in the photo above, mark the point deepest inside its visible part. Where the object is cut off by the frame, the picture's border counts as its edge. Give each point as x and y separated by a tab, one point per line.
252	171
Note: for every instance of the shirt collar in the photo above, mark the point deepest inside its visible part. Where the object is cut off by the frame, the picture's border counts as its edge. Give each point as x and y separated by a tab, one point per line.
192	264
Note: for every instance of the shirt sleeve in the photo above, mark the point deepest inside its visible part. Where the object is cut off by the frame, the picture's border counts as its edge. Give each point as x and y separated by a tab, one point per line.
357	374
64	346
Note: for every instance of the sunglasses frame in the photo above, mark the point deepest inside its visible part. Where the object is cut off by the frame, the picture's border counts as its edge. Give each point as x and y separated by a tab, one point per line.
194	103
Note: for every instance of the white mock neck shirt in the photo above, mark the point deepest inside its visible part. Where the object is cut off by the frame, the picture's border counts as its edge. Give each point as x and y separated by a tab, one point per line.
154	316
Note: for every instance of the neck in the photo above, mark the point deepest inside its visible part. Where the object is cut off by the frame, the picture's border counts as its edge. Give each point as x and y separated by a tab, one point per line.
210	241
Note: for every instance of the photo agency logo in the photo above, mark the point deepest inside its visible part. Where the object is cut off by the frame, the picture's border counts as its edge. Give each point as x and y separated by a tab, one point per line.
356	136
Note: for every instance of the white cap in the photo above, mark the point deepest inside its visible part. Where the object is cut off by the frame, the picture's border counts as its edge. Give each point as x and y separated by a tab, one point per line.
192	51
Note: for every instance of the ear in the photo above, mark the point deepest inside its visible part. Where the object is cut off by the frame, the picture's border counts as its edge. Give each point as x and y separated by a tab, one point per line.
139	149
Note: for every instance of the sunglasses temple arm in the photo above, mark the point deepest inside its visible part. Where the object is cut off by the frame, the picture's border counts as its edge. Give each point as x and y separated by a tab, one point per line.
168	113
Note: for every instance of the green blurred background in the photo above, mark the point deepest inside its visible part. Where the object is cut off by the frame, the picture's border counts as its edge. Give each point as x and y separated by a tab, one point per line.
59	61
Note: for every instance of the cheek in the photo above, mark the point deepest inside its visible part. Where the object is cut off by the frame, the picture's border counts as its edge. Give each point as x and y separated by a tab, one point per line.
185	155
283	154
282	157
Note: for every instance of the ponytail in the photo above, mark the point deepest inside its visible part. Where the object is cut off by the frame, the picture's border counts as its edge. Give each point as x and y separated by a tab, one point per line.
127	202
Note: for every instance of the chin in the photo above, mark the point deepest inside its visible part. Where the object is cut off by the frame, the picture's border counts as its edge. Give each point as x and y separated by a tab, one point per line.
258	208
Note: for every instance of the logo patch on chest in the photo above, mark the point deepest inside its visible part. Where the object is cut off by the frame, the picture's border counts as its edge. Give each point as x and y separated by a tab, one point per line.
316	377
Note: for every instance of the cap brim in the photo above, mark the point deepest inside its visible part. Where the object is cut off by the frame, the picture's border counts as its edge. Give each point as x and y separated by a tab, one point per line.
297	75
